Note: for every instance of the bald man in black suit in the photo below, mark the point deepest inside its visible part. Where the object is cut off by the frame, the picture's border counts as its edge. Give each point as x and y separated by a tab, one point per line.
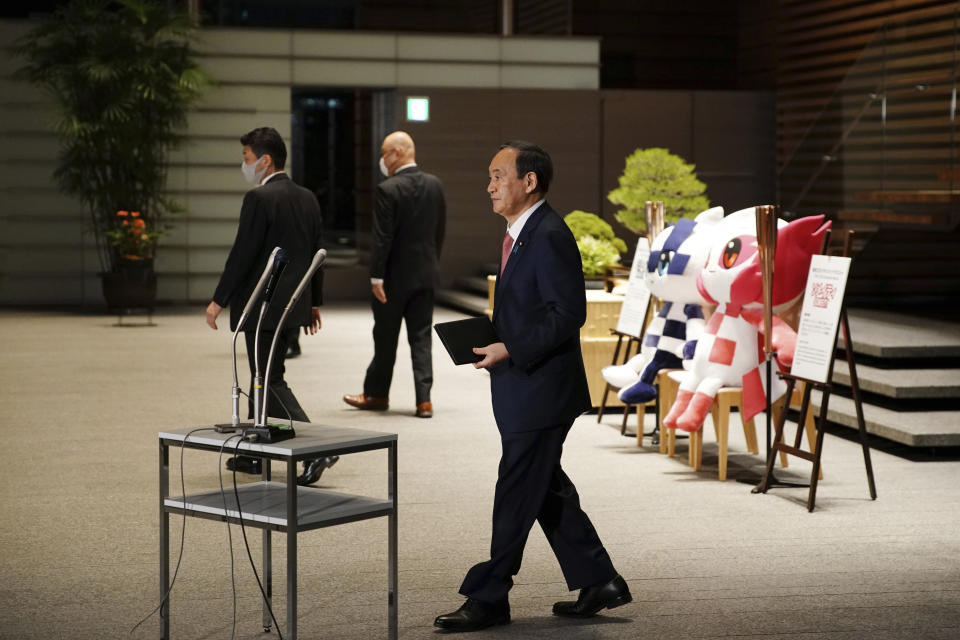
409	217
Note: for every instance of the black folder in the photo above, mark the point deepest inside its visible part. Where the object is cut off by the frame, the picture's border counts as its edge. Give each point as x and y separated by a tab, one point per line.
459	337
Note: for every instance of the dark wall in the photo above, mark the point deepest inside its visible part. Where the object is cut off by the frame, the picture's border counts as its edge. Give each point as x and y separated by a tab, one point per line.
728	135
465	130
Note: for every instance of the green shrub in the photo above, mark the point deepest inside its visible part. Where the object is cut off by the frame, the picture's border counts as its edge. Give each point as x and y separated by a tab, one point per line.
656	174
599	246
596	255
582	223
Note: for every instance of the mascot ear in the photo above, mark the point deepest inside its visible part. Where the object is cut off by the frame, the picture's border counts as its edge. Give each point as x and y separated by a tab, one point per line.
712	215
796	243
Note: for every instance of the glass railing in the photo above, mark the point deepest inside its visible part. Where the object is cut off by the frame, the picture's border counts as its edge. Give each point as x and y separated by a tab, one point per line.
884	147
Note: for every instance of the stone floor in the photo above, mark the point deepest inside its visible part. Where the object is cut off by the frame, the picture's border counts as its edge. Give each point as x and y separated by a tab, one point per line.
83	402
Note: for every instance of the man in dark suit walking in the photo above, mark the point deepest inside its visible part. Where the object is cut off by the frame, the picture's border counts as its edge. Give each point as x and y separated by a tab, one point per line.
278	213
408	222
538	386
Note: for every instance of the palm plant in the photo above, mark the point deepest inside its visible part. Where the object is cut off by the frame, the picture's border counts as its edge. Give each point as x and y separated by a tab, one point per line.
123	76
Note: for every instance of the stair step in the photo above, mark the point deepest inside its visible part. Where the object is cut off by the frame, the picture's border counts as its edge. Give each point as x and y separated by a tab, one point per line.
888	334
884	216
472	284
462	301
902	384
912	428
910	195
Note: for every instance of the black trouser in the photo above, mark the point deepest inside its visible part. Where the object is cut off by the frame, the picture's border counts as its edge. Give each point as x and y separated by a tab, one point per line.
531	486
283	404
416	310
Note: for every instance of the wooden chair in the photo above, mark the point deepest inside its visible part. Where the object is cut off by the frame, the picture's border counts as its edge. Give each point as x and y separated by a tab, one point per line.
727	398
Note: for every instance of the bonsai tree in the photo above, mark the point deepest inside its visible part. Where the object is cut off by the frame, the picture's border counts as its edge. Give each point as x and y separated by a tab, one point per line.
599	246
123	76
656	174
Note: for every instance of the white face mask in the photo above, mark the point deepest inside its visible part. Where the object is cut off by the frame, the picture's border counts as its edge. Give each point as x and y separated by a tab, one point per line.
383	168
250	174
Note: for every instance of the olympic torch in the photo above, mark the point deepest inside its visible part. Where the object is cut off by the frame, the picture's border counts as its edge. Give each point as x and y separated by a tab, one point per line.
767	248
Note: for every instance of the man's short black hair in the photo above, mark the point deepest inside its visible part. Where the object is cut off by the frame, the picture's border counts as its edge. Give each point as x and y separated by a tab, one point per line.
530	157
266	140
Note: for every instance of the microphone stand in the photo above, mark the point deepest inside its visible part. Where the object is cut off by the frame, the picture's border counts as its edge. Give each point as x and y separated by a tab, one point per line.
257	376
276	433
234	426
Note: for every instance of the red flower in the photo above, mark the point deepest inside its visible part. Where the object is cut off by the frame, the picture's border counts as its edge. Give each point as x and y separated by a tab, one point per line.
123	213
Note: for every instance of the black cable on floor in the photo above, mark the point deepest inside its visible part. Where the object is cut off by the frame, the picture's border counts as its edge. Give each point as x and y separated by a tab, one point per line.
183	531
243	530
223	495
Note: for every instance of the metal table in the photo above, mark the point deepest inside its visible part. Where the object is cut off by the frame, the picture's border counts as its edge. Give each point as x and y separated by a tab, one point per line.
282	506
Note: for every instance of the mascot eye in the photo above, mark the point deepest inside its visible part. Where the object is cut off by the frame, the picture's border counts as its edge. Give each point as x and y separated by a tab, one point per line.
738	251
730	253
664	262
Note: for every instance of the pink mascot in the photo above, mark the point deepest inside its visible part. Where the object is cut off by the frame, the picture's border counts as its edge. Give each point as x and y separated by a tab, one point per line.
730	350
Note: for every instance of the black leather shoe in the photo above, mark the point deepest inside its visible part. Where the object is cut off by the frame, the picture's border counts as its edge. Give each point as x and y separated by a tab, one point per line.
474	615
313	469
245	464
606	595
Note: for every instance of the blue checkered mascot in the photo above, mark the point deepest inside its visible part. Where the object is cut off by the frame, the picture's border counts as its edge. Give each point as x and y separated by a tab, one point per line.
677	257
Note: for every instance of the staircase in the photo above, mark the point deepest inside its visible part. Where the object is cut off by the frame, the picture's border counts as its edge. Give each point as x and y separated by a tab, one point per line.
469	294
908	368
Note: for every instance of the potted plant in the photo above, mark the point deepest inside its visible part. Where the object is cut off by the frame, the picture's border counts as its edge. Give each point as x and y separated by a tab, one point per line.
123	76
656	174
598	244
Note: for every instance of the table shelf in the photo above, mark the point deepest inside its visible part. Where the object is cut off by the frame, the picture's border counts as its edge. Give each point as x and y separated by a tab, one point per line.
264	505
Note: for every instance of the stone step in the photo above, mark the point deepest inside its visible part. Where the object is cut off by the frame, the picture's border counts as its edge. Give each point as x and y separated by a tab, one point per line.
472	284
912	428
902	384
888	334
462	301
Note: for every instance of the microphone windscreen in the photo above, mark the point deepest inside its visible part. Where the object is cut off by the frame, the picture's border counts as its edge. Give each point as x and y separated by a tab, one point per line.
279	264
318	259
262	282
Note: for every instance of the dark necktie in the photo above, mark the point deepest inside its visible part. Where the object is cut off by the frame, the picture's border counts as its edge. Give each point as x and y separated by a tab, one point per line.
505	254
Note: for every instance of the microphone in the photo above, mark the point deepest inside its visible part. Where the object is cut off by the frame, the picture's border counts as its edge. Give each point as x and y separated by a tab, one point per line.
318	259
251	301
280	262
261	283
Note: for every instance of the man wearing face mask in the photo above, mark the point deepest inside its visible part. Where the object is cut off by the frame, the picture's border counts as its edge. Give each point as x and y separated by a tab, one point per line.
277	213
408	223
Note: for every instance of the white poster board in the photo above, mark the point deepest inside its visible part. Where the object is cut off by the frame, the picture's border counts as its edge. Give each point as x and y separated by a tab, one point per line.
637	299
820	317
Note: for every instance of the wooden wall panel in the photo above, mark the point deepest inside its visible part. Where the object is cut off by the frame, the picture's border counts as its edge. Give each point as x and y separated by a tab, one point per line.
465	130
728	135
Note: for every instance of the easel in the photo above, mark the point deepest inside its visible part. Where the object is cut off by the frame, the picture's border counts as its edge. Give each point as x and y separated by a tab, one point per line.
630	341
654	212
626	356
826	389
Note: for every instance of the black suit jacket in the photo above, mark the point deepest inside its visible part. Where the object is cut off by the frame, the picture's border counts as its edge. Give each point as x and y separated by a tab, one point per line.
283	214
409	217
539	306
